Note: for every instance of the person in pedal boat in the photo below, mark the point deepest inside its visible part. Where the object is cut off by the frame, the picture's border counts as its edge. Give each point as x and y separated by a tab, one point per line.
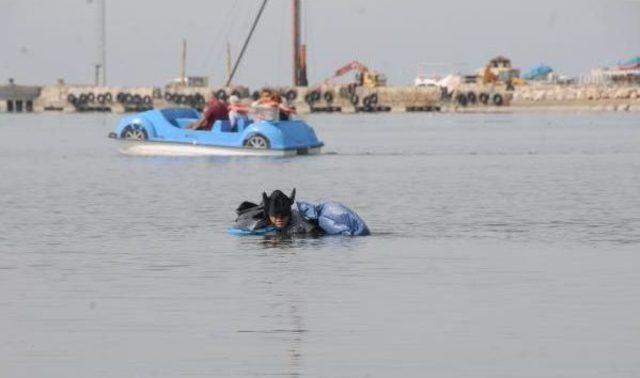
237	111
215	110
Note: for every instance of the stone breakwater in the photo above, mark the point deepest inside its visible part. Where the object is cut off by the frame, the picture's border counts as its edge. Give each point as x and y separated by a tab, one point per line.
563	93
591	97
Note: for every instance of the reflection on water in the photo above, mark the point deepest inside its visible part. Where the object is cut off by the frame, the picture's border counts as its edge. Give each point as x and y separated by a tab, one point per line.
503	246
297	242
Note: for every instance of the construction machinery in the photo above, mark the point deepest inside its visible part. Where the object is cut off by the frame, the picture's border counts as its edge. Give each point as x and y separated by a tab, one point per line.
499	69
364	76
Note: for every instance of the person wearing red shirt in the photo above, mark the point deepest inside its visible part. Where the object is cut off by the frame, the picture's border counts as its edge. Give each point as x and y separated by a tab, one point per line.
214	111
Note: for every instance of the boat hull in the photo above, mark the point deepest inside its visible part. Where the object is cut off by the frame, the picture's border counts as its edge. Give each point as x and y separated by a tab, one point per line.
147	148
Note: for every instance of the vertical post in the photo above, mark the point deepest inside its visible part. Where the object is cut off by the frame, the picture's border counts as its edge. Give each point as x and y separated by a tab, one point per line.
183	63
97	75
229	62
295	5
103	41
303	82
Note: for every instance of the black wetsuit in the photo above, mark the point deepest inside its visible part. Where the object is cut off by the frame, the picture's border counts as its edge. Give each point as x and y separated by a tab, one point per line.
251	217
298	226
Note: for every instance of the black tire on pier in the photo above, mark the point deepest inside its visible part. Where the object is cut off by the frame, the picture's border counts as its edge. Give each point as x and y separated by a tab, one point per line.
100	99
291	94
315	95
147	100
236	93
471	97
258	142
328	97
355	99
137	99
91	97
72	98
221	94
120	97
198	99
497	99
374	99
461	99
483	98
168	96
134	132
366	102
82	99
108	98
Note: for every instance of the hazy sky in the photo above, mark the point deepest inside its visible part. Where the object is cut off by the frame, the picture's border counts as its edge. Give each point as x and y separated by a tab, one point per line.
43	40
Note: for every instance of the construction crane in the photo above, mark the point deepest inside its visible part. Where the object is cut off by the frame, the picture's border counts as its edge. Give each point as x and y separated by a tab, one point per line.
364	76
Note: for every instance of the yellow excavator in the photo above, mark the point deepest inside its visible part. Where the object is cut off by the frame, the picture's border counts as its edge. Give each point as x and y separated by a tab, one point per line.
499	70
489	77
364	76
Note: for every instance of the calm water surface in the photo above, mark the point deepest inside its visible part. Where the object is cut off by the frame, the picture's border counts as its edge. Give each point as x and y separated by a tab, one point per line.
504	246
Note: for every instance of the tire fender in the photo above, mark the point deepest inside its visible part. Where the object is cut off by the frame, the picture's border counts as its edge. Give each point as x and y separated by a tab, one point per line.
221	94
461	99
471	97
374	99
497	99
291	94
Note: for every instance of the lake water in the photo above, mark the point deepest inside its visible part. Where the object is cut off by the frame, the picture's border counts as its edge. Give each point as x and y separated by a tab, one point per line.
504	246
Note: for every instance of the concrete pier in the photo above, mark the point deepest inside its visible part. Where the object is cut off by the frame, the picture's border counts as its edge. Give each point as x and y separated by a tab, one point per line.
336	98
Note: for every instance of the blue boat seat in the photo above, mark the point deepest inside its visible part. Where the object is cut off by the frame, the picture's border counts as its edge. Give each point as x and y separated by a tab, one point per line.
172	115
241	124
183	122
225	127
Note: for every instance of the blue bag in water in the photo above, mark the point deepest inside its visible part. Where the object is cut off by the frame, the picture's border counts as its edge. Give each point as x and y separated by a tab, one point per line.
334	218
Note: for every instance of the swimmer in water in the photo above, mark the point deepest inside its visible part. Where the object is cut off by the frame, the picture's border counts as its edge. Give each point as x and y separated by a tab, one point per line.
287	221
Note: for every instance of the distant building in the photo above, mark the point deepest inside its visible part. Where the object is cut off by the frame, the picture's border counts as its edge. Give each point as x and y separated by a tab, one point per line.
17	98
189	82
615	76
626	73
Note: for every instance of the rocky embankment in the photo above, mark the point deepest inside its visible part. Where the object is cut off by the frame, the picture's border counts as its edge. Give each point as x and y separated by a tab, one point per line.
587	97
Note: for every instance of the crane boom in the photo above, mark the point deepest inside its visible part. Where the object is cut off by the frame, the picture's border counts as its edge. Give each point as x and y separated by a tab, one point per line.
246	42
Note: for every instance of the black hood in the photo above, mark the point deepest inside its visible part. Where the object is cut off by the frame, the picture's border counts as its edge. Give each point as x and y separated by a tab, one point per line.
278	204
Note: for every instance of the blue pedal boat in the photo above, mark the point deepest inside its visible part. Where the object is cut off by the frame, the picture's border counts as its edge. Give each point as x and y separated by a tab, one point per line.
164	132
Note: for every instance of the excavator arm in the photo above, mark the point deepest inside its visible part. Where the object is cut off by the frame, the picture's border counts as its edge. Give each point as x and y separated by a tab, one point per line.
353	66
